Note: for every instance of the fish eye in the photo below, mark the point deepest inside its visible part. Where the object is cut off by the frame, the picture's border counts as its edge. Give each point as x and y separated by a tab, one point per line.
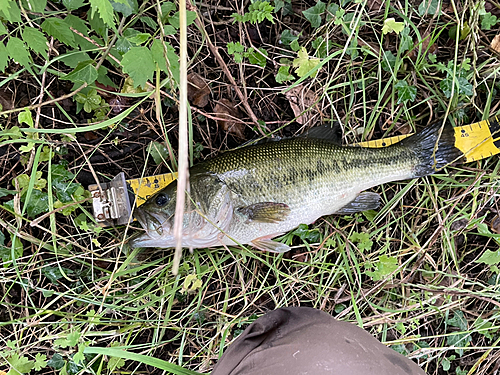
161	200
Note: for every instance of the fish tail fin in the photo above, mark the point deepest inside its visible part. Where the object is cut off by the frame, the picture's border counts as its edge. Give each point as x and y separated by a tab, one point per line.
434	147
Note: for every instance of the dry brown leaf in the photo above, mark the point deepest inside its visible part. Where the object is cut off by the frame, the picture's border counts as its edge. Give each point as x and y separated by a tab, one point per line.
301	98
227	116
495	225
6	100
431	48
198	90
375	5
495	43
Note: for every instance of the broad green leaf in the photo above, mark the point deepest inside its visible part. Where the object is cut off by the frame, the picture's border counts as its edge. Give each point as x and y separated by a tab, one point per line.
405	40
287	37
73	4
314	13
73	338
97	24
18	52
79	356
295	45
489	257
4	57
488	21
139	64
158	55
463	32
91	100
362	240
10	10
35	40
257	58
303	63
25	117
388	61
105	10
23	181
462	86
6	251
19	364
139	38
57	361
3	30
458	320
159	152
173	62
80	25
190	17
40	361
169	30
38	203
331	10
322	47
34	5
446	364
53	274
148	21
390	25
258	11
166	8
284	74
60	30
405	92
61	343
126	7
383	268
103	77
3	193
73	58
123	45
85	71
306	234
27	148
428	7
233	48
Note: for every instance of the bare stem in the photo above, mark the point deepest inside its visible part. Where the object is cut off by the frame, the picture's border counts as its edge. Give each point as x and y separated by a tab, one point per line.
183	173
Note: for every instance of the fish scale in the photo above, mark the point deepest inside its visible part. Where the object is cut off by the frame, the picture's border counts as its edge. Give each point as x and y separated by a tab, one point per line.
249	195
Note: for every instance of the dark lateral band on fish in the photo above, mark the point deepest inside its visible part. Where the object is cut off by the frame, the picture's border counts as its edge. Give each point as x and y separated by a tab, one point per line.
253	194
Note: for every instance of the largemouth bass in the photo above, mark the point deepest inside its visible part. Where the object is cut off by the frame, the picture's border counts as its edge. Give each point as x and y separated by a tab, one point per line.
255	193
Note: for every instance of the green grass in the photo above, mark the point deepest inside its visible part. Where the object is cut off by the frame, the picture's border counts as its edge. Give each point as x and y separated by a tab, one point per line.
409	273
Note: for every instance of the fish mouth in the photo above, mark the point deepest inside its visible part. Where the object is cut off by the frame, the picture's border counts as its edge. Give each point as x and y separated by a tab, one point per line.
155	224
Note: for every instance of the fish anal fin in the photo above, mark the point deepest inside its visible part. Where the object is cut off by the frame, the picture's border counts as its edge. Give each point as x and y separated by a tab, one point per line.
363	202
265	212
270	245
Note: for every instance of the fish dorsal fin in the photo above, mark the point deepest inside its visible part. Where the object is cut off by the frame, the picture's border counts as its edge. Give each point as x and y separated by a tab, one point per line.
363	202
265	212
326	132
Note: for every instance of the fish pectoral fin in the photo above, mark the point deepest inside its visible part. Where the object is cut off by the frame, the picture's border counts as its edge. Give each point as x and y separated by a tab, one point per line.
363	202
265	212
271	246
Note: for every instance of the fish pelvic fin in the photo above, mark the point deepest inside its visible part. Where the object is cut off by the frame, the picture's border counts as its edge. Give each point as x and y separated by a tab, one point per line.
434	148
270	246
363	202
265	212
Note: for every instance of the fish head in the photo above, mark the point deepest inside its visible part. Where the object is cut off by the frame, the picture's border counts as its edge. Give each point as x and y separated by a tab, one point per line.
156	217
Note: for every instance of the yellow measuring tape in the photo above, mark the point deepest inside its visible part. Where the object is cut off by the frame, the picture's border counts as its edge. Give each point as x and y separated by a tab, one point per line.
477	141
